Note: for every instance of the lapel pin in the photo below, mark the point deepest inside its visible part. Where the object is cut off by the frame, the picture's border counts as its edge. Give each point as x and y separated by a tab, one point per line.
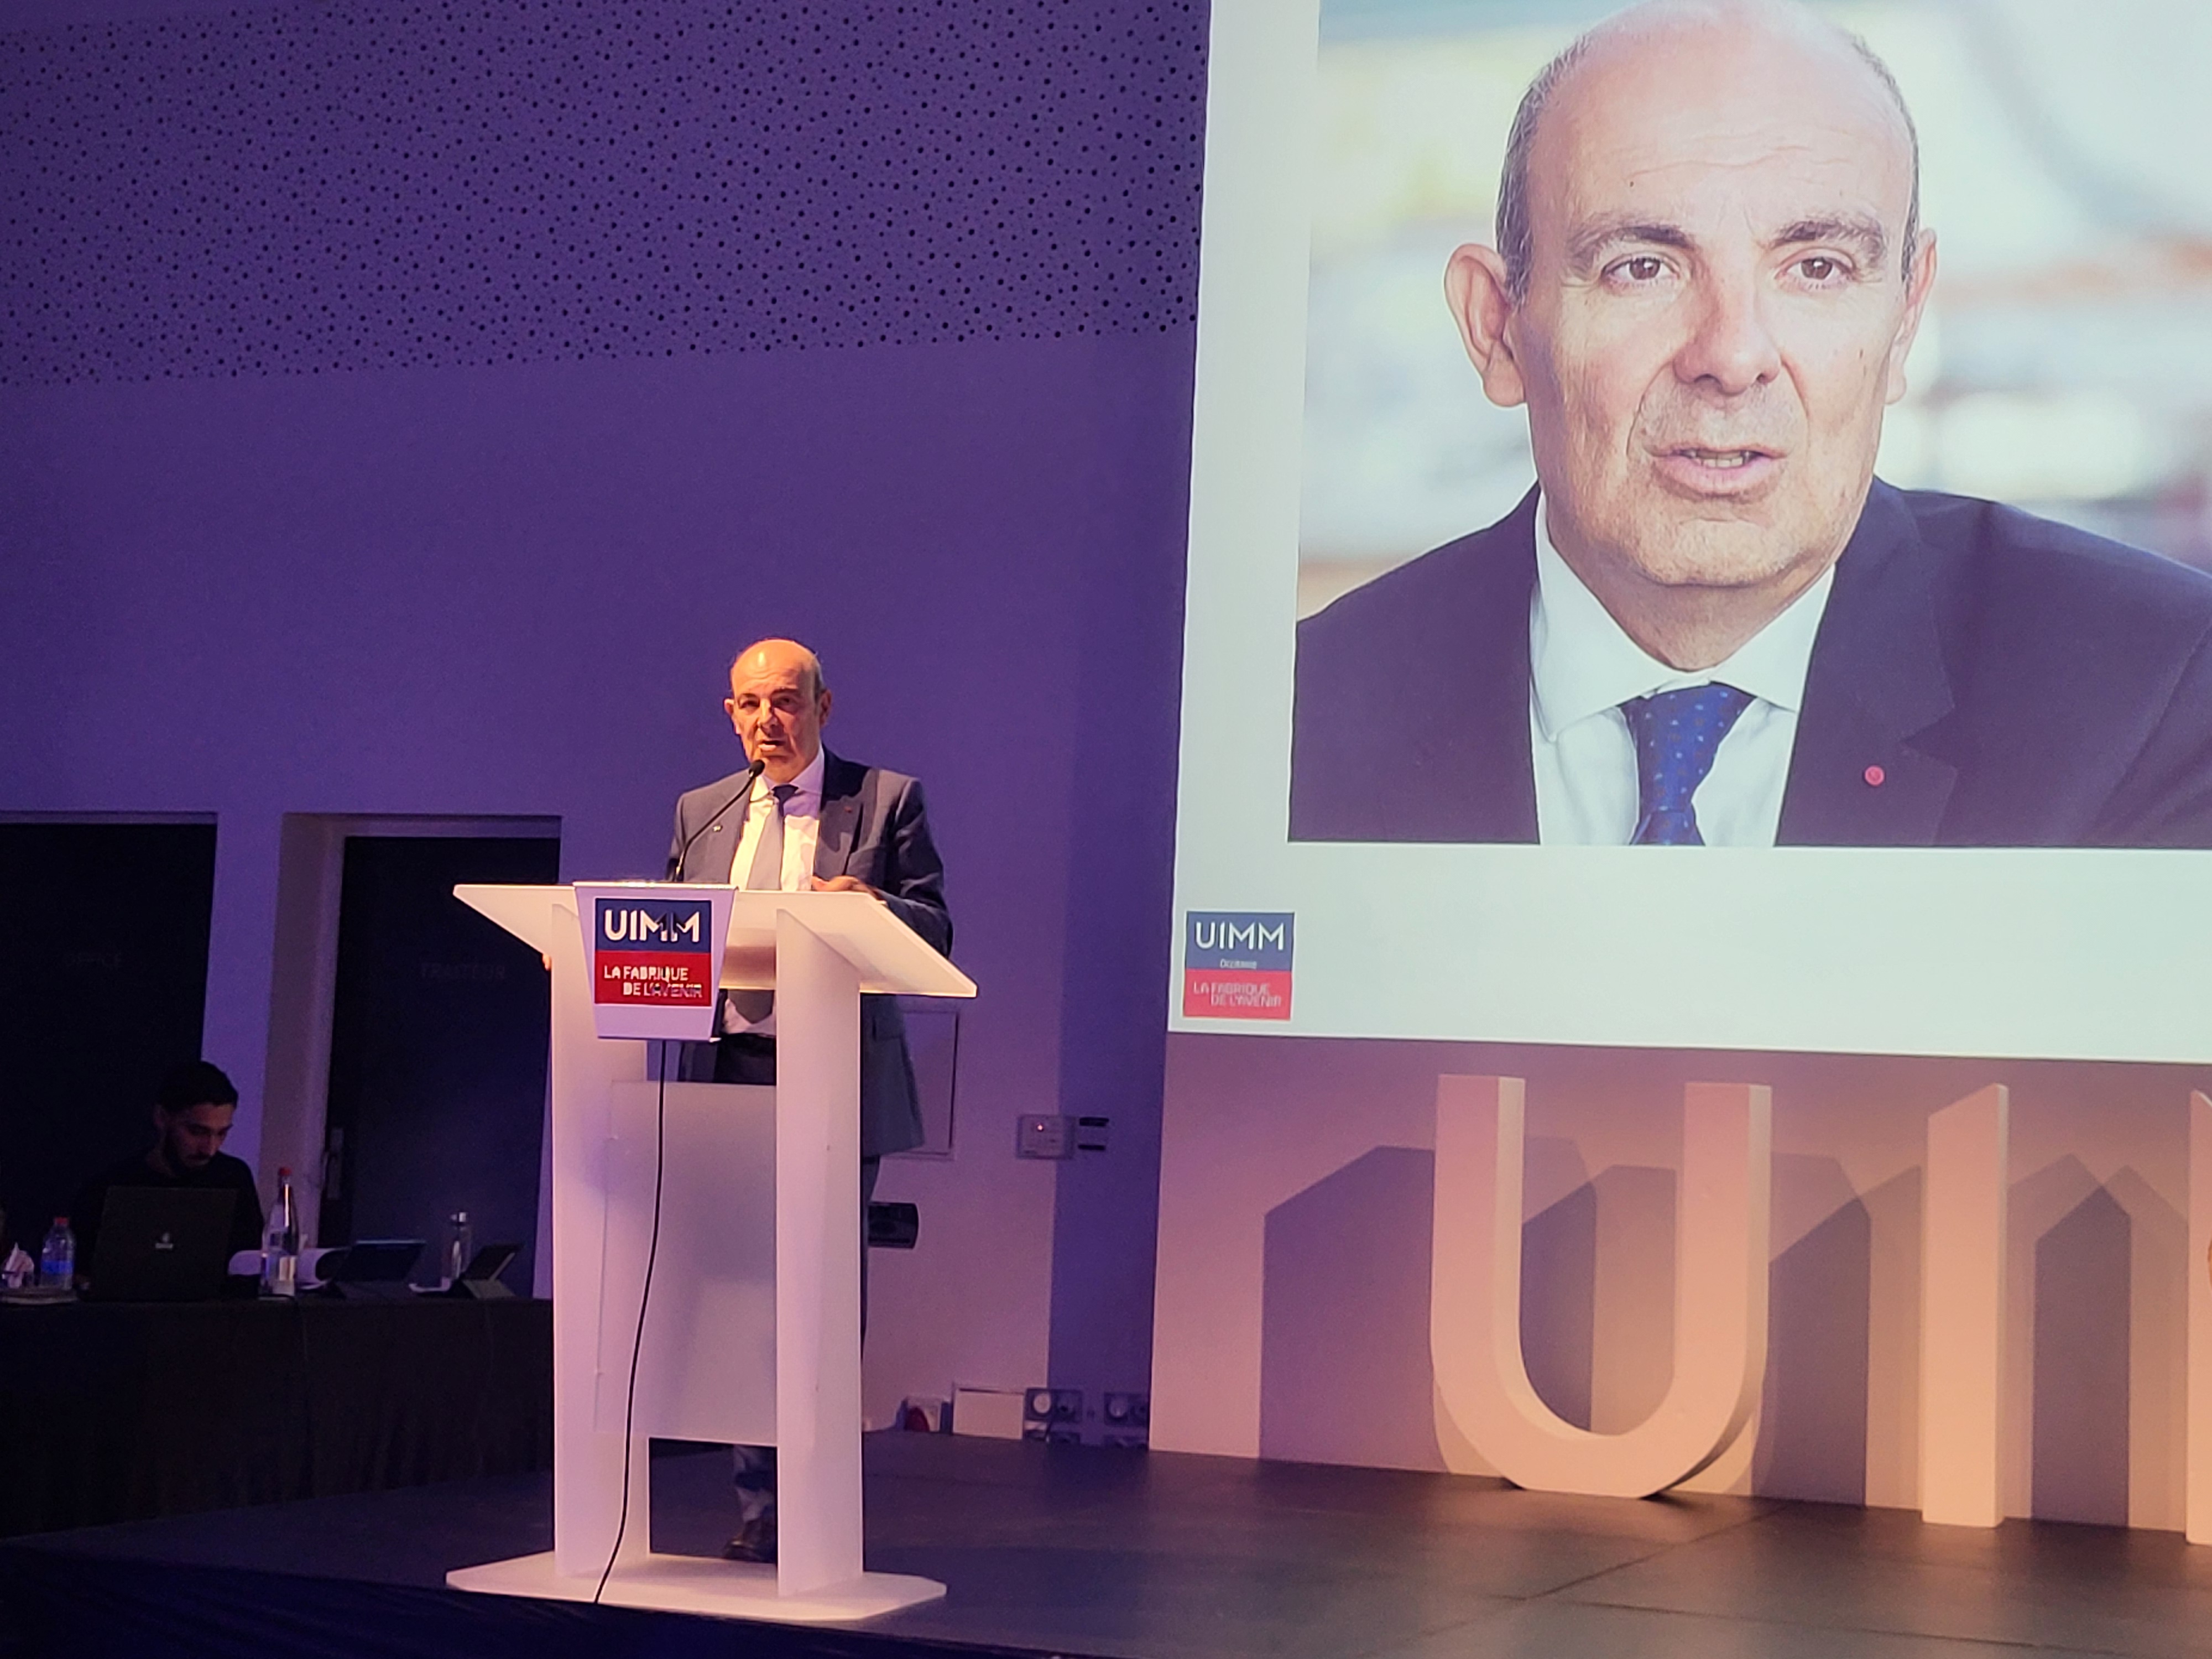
1874	775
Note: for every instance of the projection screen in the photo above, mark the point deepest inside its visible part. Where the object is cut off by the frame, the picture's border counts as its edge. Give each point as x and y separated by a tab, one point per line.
2063	367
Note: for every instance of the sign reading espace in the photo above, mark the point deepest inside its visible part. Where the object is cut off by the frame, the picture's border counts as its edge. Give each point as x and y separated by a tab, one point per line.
1236	964
661	952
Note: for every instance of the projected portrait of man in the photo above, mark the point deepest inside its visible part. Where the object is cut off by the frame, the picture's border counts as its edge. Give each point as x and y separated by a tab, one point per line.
1709	624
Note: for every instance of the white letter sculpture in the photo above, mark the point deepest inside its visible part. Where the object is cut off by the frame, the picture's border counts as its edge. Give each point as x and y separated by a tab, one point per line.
1962	1299
1721	1233
2198	1505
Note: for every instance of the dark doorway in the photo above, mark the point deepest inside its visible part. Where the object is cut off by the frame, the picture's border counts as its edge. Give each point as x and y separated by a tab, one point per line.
103	986
438	1040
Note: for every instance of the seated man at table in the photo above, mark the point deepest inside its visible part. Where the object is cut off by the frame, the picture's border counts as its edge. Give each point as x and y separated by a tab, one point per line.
192	1118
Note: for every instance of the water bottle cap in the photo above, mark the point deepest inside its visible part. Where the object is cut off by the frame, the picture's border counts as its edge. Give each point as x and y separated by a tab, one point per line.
61	1221
283	1170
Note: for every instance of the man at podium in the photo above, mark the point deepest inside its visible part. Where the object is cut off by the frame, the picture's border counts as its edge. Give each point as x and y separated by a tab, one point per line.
799	817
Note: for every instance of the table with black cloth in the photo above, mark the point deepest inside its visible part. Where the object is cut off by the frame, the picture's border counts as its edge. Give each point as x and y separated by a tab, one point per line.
122	1412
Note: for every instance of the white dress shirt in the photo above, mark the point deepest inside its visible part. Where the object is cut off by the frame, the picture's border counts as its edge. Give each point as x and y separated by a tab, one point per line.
802	834
1582	667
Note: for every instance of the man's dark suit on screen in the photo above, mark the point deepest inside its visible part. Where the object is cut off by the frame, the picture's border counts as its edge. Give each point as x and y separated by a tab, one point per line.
1981	677
874	827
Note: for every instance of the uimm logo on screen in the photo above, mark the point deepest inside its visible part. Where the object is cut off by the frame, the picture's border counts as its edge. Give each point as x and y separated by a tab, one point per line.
660	952
1236	964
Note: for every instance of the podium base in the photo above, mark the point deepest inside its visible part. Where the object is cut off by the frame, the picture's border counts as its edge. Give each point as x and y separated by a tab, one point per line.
690	1584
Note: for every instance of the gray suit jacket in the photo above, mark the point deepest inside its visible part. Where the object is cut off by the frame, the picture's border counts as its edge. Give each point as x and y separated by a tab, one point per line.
873	827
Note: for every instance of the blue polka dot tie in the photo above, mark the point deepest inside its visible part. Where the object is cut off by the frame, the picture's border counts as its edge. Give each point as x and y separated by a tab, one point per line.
1677	735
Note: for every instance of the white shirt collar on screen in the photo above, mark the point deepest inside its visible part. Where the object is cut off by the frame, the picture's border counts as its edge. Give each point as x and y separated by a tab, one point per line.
1582	667
1582	664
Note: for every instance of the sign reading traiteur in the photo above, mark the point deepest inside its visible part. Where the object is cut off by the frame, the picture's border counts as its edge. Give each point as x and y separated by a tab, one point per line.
1236	964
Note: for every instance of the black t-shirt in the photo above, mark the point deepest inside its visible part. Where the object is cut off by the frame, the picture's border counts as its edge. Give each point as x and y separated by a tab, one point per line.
223	1171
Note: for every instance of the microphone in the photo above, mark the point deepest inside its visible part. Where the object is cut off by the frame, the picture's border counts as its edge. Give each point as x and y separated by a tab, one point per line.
676	859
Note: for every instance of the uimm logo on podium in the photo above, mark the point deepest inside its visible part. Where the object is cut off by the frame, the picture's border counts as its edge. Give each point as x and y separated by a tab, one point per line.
1236	964
662	952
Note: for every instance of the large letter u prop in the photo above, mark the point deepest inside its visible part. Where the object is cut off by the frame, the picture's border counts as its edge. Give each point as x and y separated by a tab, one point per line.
1720	1296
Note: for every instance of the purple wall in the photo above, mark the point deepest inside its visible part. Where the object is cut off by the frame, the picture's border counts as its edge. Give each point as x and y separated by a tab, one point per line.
377	184
407	408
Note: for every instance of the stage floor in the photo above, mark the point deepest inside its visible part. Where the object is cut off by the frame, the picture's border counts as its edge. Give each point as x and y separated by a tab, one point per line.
1072	1551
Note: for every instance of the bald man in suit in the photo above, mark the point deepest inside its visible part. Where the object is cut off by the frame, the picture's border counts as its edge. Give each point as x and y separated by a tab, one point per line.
844	827
808	820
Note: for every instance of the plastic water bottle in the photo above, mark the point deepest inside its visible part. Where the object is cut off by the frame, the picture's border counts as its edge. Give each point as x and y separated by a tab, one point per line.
460	1249
279	1242
58	1256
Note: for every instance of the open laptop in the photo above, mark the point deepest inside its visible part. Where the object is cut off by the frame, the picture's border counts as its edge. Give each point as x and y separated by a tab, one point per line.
161	1244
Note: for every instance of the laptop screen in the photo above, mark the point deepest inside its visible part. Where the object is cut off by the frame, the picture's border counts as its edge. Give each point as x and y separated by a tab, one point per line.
161	1244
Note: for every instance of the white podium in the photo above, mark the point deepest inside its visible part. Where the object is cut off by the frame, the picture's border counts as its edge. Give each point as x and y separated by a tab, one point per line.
753	1334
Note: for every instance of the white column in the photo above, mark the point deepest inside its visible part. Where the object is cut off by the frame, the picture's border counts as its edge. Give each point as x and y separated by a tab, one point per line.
2198	1374
1962	1311
818	1263
588	1465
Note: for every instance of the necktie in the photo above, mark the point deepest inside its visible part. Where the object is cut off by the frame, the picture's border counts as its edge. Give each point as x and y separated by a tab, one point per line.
1677	735
766	876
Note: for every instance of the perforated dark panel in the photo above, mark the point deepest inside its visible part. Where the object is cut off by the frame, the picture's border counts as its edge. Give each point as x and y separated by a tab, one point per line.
379	183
